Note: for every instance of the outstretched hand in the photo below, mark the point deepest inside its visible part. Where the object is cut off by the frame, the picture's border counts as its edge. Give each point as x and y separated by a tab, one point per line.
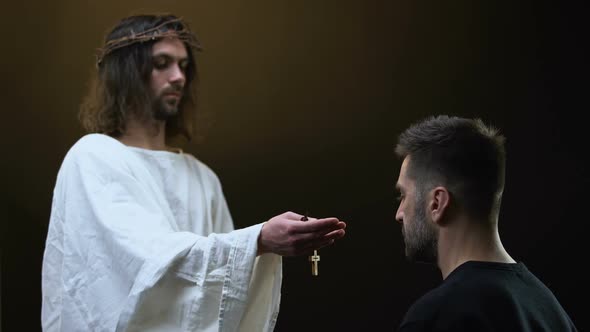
287	235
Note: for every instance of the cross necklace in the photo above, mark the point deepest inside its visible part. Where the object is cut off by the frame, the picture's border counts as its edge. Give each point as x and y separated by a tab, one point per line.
313	259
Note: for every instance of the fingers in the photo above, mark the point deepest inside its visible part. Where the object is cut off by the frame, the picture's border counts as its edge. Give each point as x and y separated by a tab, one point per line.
327	239
319	243
305	243
335	235
324	226
287	235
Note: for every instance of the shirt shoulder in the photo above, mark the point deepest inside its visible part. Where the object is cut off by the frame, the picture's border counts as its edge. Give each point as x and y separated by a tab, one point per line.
481	295
93	155
459	294
205	171
97	156
95	145
427	306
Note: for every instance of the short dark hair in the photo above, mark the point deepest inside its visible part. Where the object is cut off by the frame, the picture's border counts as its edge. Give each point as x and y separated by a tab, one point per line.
121	86
465	156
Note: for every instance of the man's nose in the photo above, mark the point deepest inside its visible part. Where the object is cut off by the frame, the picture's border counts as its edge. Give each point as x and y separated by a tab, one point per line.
177	76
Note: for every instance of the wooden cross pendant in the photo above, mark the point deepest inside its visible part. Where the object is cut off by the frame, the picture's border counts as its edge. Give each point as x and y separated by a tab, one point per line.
314	263
313	259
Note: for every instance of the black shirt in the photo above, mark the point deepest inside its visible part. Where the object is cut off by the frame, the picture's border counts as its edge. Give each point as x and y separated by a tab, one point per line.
486	296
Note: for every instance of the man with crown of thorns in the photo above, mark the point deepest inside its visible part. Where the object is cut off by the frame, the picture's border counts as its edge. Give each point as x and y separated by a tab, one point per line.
140	236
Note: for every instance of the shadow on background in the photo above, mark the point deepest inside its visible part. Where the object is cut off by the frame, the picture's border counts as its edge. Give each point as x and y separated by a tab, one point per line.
302	103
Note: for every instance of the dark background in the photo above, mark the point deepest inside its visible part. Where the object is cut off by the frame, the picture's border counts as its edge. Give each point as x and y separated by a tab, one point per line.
303	102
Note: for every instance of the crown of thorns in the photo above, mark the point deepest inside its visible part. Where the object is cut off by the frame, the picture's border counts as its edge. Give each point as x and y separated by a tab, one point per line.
183	34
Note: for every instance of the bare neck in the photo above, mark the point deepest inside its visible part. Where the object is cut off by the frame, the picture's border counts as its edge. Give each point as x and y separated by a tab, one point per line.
146	135
464	241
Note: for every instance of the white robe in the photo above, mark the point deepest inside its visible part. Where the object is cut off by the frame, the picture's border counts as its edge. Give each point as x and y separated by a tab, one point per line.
142	240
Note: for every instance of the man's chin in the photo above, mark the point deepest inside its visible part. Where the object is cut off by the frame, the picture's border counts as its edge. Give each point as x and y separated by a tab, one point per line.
166	113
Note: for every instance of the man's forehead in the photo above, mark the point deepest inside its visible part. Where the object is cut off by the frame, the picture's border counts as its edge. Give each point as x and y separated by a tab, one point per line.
404	167
403	177
170	46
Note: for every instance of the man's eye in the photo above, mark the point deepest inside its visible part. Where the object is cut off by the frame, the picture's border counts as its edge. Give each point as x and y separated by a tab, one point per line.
400	198
160	64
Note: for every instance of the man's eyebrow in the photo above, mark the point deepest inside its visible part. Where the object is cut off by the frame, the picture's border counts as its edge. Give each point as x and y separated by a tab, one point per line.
169	56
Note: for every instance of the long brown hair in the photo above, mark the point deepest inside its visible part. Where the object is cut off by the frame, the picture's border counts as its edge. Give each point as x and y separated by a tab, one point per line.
120	87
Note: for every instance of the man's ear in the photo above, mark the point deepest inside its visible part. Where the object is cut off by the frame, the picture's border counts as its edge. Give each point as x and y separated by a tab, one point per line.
440	200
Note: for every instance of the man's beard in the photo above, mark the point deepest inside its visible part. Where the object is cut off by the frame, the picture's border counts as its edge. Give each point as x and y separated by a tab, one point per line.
165	107
420	237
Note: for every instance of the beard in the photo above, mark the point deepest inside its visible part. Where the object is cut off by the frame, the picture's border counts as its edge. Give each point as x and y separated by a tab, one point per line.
165	107
420	237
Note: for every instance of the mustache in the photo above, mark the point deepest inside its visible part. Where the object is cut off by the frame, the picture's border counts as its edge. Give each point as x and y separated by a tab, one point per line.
173	89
